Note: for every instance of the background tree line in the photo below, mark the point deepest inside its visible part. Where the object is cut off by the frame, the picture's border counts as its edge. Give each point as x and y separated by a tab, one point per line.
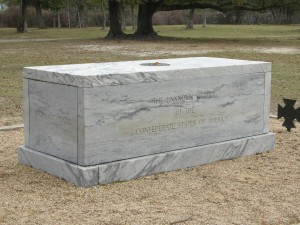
142	14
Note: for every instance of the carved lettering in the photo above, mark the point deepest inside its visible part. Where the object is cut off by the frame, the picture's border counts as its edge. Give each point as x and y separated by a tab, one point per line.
205	95
181	125
190	110
179	99
218	119
182	111
53	118
186	124
155	129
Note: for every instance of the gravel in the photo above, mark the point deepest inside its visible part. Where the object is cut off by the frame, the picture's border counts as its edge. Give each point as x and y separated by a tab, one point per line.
261	189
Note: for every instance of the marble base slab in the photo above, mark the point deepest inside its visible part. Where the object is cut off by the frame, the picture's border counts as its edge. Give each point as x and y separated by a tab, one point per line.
141	166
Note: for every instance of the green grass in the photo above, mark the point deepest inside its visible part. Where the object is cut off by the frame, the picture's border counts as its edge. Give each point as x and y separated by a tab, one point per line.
233	32
86	45
65	33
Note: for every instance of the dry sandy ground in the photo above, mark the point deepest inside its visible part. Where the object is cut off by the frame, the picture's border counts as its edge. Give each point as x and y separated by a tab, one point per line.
262	189
10	111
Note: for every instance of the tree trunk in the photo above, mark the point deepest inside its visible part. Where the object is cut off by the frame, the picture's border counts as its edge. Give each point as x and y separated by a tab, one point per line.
58	19
274	16
190	23
69	19
289	15
54	19
132	17
80	17
239	16
229	18
23	26
115	29
38	9
204	19
122	15
104	16
145	14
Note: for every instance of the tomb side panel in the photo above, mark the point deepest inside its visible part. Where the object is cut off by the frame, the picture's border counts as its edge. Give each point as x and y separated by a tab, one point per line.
80	126
267	102
142	119
26	112
53	119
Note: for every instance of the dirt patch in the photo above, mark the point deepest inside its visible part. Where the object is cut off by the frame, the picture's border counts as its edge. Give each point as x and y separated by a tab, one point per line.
261	189
17	40
10	111
9	121
274	50
125	50
141	52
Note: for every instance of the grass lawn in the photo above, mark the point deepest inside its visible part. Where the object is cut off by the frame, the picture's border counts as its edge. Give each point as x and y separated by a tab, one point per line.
277	44
234	32
74	33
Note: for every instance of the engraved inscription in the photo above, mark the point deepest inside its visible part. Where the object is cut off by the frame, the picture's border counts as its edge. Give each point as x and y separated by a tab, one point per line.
156	128
183	111
179	99
218	119
186	117
221	119
53	118
205	95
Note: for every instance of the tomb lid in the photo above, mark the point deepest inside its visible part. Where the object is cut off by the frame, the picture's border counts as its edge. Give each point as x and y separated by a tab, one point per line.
142	71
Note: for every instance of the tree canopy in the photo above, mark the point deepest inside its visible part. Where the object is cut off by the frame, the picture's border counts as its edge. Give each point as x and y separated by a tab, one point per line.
146	10
148	7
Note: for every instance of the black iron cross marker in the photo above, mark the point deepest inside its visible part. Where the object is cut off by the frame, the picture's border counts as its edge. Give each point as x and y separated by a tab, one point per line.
289	113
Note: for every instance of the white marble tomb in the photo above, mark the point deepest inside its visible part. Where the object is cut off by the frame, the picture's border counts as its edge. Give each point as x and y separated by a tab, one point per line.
105	122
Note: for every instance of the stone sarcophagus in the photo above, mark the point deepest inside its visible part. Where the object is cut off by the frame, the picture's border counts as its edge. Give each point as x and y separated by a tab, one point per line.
104	122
